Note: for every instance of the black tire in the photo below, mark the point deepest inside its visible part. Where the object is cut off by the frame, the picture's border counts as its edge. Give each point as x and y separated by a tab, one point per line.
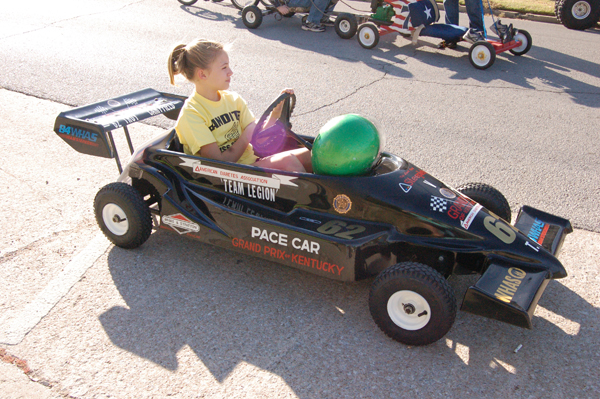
252	16
482	55
122	215
240	4
525	38
217	1
577	14
346	25
368	35
412	303
489	197
187	2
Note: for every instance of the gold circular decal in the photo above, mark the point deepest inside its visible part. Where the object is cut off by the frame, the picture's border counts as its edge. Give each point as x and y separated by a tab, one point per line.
341	203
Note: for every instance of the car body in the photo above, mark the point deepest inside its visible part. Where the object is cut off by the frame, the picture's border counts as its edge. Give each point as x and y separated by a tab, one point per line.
397	222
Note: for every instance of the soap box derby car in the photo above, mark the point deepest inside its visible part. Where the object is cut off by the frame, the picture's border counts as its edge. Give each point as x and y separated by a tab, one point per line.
395	222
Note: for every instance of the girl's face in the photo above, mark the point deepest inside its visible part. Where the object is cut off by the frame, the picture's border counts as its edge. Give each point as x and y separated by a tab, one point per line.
218	74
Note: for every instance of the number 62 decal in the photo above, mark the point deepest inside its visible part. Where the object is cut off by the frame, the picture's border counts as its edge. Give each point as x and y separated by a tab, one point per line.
500	229
341	229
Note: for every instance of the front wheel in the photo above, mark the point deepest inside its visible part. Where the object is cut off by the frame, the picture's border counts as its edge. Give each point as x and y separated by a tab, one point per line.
412	303
346	25
525	38
123	215
482	55
577	14
489	197
368	35
187	2
252	16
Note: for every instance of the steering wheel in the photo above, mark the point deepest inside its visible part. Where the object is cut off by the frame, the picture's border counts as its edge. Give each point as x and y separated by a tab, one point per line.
271	140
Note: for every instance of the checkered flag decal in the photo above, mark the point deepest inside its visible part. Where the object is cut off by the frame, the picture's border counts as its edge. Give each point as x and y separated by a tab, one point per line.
438	204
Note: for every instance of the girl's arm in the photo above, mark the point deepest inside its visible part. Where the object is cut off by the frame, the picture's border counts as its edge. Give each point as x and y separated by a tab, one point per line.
233	153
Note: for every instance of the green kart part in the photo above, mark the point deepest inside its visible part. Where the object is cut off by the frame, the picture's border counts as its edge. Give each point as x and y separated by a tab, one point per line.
347	145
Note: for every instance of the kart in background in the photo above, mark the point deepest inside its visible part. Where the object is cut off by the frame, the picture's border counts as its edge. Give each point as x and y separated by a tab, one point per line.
396	223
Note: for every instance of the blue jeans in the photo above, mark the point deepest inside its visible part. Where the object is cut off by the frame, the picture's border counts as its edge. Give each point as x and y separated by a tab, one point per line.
317	8
474	11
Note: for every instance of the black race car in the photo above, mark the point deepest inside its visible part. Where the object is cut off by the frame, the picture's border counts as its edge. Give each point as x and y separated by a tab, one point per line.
395	222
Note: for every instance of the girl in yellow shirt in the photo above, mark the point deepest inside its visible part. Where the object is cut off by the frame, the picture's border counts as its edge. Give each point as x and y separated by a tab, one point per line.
216	123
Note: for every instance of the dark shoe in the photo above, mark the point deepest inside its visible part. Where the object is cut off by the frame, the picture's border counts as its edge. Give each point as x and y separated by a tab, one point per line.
504	32
473	36
309	26
444	44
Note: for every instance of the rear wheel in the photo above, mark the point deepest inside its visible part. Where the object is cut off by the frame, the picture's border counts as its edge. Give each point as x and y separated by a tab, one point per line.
482	55
252	16
368	35
578	14
187	2
525	38
412	303
122	215
489	197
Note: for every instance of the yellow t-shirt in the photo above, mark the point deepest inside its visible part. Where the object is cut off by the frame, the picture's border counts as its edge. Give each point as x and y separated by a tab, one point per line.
203	122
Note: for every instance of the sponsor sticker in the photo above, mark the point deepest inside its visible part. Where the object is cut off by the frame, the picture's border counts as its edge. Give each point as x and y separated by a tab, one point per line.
180	223
342	204
447	193
466	223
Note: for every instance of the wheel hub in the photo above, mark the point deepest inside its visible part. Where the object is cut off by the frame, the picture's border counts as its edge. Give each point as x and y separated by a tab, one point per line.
409	310
581	10
115	219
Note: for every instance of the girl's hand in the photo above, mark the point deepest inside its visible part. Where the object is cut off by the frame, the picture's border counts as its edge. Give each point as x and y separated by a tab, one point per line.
277	110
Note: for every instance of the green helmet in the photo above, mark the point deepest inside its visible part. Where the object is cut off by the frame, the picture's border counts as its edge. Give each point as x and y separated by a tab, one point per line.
347	145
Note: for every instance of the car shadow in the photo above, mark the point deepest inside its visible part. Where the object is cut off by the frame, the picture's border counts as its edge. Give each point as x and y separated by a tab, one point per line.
317	334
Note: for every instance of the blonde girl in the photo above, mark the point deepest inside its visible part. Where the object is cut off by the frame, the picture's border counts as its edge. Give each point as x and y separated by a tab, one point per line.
215	122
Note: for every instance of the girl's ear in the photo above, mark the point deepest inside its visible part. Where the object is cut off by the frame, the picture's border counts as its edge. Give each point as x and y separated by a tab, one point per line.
201	73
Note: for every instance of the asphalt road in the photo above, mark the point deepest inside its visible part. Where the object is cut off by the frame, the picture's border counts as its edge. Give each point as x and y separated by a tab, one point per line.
178	319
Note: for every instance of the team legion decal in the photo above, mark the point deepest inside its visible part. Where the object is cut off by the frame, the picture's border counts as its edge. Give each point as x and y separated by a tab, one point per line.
248	185
463	209
79	135
408	182
180	223
508	287
284	241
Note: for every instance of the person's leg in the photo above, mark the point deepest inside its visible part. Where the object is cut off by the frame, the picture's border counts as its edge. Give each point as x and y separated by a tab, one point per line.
451	10
475	13
304	156
282	161
317	10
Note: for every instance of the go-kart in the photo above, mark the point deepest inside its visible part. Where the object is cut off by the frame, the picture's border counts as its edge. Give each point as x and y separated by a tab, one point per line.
394	222
414	18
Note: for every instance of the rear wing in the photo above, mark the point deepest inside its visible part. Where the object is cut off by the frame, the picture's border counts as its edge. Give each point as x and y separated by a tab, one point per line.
88	129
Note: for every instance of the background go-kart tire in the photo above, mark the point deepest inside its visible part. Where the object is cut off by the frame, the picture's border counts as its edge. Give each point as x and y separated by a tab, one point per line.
240	4
525	38
482	55
346	25
252	16
577	14
491	198
187	2
412	303
368	35
122	215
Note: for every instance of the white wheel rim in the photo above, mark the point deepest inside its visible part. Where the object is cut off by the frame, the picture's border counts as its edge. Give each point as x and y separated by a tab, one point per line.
344	26
409	310
523	39
367	36
115	219
481	55
250	17
581	10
